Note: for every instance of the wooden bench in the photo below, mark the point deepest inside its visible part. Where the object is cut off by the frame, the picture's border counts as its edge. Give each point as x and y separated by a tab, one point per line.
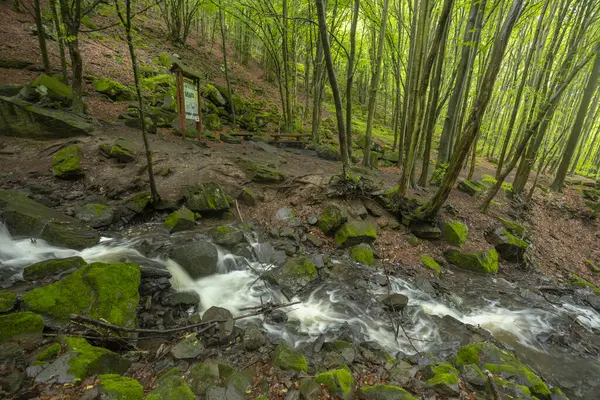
293	138
242	134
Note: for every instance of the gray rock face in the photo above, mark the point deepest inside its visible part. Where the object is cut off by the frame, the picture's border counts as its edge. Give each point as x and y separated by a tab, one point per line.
95	215
253	338
220	314
293	276
425	231
199	259
184	299
187	348
395	301
226	235
508	246
205	197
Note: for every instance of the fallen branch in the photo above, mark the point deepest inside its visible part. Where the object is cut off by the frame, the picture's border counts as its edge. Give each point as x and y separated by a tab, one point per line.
117	328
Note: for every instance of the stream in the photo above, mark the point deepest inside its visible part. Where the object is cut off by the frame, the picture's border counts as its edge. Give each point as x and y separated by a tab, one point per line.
547	334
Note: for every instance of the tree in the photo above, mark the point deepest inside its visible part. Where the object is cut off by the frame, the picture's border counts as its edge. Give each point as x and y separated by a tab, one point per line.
350	76
225	66
41	34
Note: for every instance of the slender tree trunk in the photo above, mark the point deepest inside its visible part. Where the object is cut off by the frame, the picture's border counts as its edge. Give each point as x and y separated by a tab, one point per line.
224	46
591	118
317	90
350	77
41	33
286	69
60	39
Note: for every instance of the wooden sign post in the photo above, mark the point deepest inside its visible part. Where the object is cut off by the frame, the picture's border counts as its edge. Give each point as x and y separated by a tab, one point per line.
189	103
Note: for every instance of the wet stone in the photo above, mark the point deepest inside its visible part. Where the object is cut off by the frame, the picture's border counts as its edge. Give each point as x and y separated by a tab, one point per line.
253	338
188	348
395	301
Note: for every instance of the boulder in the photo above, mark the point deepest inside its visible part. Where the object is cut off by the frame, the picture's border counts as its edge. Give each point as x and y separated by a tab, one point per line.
227	236
338	382
203	376
395	301
10	90
171	387
508	246
23	119
26	217
54	89
113	90
49	268
205	197
444	380
384	392
212	122
8	301
253	338
67	163
180	220
425	230
21	325
247	197
355	232
455	233
260	172
331	218
429	262
190	347
363	253
123	150
512	226
289	359
95	215
99	291
114	386
472	188
137	202
199	258
485	262
220	314
214	95
293	276
327	152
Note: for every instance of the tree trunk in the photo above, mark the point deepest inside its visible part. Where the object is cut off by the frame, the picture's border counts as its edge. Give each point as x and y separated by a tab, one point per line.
350	77
60	39
222	24
41	33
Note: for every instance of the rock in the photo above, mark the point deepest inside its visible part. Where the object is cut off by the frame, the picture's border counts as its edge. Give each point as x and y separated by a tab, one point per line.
247	197
10	90
428	262
253	338
276	317
309	389
23	119
226	138
577	280
26	217
384	392
189	347
289	359
455	233
486	262
472	374
95	215
137	202
343	349
472	188
238	384
425	230
212	122
338	382
512	226
362	253
67	163
112	89
293	276
181	298
123	150
98	290
220	314
113	386
7	301
199	259
54	89
81	360
355	232
202	377
283	214
205	197
226	235
171	387
216	393
180	220
20	326
213	94
395	301
327	152
259	171
49	268
12	380
508	246
444	380
314	239
401	373
331	218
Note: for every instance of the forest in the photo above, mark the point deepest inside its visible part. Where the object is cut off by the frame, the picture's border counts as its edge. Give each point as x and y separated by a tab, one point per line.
299	199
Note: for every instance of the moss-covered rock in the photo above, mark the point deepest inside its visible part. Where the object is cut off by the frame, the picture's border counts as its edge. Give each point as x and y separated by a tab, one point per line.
137	202
26	217
328	152
55	89
259	171
123	150
338	382
226	235
202	376
363	253
485	262
508	246
577	280
289	359
331	218
248	197
512	226
293	276
171	387
49	268
472	188
47	353
107	291
455	233
355	232
117	387
444	380
212	122
214	95
429	262
67	163
7	301
205	197
384	392
198	258
114	90
96	215
180	220
20	325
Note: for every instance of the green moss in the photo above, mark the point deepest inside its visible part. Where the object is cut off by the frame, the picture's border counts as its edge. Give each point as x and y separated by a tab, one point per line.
67	163
87	360
47	268
485	262
385	392
114	90
164	60
512	388
287	358
171	388
20	325
591	266
7	301
579	281
338	382
201	377
86	21
523	376
137	202
512	226
47	353
455	233
515	241
472	188
468	354
355	232
331	218
57	89
428	262
363	254
108	291
205	197
118	387
444	378
180	220
445	368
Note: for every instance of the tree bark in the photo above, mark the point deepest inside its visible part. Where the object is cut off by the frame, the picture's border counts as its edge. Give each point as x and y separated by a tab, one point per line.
41	33
350	77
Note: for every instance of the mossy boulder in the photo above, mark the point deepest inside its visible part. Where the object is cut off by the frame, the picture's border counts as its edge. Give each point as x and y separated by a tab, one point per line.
7	301
425	230
67	163
472	188
117	387
328	152
293	276
363	253
355	232
212	122
123	150
260	172
508	246
513	227
331	218
226	235
248	197
54	89
485	262
114	90
455	233
214	95
26	217
384	392
444	380
429	262
199	258
107	291
21	325
577	280
205	197
289	359
180	220
47	353
338	382
50	268
203	376
96	215
137	202
171	387
23	119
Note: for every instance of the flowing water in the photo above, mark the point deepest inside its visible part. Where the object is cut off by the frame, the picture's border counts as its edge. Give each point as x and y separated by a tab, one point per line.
525	325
